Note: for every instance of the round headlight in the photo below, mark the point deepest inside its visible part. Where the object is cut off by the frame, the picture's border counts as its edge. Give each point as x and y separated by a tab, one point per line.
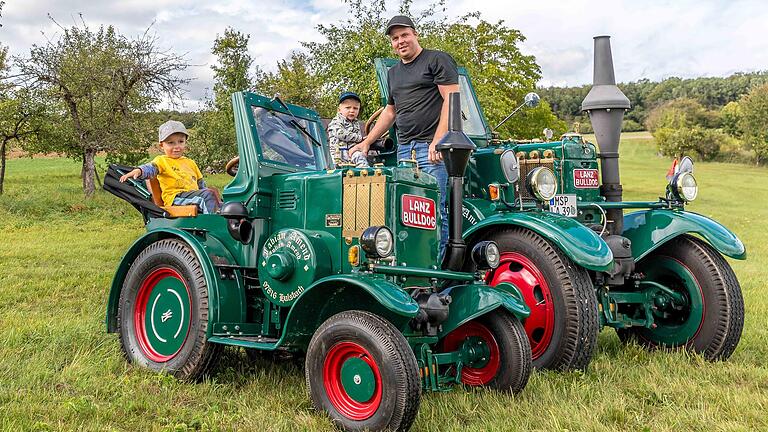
486	255
510	166
542	183
377	241
685	186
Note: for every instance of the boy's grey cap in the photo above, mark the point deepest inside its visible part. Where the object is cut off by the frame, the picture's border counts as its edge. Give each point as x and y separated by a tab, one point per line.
399	21
169	128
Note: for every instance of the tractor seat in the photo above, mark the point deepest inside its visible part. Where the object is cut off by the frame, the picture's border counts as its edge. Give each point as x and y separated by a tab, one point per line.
173	210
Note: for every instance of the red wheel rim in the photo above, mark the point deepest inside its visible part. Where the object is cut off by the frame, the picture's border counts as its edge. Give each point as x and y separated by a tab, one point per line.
140	311
523	273
332	380
475	376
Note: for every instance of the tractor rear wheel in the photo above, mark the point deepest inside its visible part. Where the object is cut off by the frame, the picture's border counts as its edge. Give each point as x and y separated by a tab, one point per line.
362	372
712	317
564	322
163	312
500	348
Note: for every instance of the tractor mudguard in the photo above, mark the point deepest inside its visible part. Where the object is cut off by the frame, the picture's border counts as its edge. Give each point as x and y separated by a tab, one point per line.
578	242
471	301
650	229
333	294
226	308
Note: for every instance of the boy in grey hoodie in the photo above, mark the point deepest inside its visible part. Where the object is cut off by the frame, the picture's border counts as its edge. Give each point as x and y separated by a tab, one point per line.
344	131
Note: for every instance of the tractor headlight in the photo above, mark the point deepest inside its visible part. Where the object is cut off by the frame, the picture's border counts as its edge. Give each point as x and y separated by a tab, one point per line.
377	241
486	255
510	166
542	183
685	187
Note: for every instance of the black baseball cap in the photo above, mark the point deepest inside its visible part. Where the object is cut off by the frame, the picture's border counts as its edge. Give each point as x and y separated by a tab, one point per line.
399	21
349	95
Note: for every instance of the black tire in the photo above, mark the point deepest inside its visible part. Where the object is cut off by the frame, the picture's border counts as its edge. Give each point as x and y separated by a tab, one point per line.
568	340
171	263
396	391
505	338
720	328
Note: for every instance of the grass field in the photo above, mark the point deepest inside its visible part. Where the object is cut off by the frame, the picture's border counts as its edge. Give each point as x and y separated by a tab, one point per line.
59	370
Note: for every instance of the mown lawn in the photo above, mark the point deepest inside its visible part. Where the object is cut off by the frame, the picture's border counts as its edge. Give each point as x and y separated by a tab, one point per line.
59	370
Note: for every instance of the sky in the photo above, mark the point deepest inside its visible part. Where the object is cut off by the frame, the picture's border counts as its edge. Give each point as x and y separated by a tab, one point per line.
650	39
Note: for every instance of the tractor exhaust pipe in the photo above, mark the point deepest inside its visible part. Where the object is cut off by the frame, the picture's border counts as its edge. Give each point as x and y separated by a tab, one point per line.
455	147
606	105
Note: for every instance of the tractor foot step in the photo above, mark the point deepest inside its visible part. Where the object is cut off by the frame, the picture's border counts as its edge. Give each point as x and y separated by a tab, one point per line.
259	342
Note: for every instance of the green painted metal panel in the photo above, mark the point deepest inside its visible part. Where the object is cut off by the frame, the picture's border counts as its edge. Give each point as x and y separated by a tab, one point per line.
471	301
650	229
578	242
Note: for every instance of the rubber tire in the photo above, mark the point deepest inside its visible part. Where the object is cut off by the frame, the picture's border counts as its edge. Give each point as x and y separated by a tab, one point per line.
196	356
514	351
720	332
577	323
392	354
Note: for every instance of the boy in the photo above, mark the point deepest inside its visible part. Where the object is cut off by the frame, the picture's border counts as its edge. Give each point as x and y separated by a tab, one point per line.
180	179
344	131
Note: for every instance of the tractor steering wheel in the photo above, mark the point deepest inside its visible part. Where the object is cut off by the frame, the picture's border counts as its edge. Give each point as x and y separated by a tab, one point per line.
232	166
372	121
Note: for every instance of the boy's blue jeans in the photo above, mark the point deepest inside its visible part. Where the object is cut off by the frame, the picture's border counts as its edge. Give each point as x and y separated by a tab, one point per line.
441	174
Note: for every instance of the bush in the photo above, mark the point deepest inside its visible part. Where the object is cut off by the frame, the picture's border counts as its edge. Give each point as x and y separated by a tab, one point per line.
631	126
702	142
681	113
753	121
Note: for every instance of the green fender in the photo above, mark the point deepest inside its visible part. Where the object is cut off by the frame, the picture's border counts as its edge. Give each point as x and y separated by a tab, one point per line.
337	293
471	301
650	229
225	296
578	242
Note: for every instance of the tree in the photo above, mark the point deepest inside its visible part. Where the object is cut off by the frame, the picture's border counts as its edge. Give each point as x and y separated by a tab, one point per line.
106	83
753	121
214	142
296	83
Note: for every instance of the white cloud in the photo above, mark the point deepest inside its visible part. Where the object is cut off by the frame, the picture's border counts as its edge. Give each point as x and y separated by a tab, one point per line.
653	39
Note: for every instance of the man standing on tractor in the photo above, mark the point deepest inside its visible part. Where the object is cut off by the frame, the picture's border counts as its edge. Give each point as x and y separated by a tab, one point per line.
419	85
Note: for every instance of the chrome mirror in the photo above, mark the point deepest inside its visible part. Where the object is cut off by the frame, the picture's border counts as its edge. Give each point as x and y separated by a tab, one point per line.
532	100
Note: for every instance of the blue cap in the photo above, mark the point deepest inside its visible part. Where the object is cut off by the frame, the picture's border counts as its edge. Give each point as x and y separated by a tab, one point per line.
349	95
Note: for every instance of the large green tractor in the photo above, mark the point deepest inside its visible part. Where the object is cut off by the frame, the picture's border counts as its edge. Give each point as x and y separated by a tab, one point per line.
657	274
337	264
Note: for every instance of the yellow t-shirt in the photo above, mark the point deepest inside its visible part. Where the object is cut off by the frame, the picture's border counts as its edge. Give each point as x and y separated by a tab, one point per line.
176	176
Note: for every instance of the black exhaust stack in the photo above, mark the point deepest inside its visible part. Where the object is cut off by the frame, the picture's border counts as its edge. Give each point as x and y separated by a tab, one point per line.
455	147
606	105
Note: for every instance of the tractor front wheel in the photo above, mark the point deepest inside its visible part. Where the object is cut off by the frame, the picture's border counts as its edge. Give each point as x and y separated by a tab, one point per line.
707	316
563	325
163	312
495	349
361	371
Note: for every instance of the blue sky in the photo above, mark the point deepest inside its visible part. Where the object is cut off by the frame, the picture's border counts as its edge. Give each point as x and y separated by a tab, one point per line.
651	39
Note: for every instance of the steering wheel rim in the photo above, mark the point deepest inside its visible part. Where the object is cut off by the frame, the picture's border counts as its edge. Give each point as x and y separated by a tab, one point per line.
232	166
372	121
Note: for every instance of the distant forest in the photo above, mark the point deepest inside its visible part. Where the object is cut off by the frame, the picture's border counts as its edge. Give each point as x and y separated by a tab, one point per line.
645	95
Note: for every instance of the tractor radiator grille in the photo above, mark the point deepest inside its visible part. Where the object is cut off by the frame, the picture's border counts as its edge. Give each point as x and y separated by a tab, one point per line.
526	166
286	199
364	204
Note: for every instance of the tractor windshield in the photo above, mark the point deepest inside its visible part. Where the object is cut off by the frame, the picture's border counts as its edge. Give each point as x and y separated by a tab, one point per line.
282	142
470	114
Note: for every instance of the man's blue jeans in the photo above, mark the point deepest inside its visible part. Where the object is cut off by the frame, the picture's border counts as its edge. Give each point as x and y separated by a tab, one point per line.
441	174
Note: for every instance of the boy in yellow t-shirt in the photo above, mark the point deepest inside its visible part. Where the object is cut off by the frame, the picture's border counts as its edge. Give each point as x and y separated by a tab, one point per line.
180	179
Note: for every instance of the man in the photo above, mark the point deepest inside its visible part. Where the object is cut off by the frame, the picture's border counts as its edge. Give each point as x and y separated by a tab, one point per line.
419	85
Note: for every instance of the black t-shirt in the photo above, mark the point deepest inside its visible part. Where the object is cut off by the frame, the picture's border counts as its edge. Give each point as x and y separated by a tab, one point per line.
414	93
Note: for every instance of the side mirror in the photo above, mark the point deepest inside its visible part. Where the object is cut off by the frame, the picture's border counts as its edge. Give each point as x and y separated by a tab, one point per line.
686	164
532	100
548	133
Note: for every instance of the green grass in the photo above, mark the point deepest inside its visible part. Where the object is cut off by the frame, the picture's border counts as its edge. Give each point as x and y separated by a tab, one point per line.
59	370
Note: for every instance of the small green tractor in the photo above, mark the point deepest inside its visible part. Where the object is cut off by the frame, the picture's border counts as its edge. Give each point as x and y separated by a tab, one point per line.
339	265
657	274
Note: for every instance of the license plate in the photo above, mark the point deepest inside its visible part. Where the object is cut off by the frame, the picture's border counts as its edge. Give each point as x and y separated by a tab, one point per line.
564	205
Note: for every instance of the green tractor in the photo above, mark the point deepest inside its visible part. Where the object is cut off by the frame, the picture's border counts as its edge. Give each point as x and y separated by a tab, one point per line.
657	274
339	265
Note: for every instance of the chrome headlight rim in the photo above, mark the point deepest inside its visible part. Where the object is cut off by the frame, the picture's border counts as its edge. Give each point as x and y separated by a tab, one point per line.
535	182
486	255
510	166
680	187
377	241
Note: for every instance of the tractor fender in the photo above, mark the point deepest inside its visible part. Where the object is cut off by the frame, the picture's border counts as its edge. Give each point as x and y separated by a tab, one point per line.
225	295
472	300
579	243
650	229
337	293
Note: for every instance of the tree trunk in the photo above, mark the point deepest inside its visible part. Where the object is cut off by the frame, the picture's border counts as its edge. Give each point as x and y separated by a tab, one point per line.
2	163
89	172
